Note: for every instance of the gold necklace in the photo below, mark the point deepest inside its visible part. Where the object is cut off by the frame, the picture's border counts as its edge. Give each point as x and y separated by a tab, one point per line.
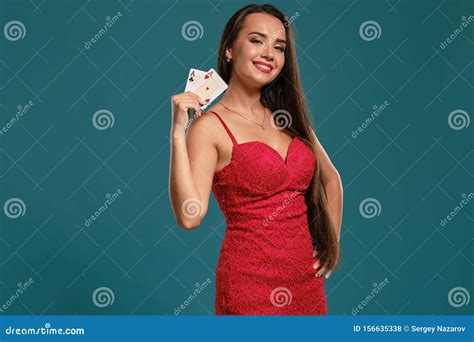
258	124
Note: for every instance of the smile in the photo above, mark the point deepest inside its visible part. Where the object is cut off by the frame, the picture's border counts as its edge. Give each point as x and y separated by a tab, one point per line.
263	68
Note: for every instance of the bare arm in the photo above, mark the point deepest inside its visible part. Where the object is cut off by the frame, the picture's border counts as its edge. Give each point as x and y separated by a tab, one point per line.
332	185
192	163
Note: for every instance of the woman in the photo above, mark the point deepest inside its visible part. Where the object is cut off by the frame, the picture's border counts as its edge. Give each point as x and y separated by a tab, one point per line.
255	149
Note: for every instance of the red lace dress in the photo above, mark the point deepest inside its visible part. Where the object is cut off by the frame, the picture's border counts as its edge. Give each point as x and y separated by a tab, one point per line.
265	265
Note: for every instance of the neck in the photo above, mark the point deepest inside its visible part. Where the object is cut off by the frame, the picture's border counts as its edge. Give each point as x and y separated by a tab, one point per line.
243	99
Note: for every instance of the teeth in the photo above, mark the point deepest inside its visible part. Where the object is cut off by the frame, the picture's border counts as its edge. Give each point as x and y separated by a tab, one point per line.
263	66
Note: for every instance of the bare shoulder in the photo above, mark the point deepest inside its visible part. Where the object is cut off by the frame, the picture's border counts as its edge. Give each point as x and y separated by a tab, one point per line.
204	129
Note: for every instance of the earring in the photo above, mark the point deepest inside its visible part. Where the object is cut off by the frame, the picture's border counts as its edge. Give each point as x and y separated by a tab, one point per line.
227	59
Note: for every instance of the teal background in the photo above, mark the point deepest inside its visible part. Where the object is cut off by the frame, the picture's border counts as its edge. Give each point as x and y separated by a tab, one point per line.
54	159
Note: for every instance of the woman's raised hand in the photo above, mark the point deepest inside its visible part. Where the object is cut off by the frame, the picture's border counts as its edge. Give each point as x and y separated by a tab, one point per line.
180	103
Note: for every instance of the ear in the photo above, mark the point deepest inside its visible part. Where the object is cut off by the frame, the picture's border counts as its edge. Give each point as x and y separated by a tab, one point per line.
228	53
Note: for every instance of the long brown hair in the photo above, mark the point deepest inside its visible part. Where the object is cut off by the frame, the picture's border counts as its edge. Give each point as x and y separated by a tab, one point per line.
285	95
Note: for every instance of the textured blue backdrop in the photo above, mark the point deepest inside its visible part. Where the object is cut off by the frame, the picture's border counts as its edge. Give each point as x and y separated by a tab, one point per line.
85	87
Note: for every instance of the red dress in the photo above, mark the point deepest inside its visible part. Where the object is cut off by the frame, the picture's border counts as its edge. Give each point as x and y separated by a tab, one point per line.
265	265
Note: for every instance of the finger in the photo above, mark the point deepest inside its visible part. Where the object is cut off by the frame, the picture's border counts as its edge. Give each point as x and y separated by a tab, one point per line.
328	274
320	272
188	96
316	265
194	106
315	252
198	104
197	97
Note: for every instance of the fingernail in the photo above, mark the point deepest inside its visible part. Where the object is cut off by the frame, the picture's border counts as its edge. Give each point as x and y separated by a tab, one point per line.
326	276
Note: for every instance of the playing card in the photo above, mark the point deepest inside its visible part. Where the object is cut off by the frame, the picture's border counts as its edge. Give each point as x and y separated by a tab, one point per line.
209	87
194	77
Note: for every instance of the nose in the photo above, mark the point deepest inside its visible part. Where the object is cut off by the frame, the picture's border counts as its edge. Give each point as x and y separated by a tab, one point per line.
267	51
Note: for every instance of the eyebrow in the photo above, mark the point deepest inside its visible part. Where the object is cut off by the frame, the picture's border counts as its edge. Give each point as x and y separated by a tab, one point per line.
265	36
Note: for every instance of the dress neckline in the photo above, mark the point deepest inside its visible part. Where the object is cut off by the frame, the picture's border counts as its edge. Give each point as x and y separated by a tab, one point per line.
258	142
283	159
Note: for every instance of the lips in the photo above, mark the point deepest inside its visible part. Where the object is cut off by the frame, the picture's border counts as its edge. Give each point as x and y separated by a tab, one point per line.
263	67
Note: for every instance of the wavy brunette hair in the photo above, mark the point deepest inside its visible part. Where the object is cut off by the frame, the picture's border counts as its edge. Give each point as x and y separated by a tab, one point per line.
285	93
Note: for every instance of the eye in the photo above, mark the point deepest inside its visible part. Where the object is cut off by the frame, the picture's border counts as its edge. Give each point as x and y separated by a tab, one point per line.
255	41
280	48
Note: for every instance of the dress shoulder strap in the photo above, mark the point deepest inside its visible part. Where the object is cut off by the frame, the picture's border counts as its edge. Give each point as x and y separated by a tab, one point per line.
226	128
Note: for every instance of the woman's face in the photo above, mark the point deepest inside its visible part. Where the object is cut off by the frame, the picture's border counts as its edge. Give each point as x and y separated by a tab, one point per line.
258	53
